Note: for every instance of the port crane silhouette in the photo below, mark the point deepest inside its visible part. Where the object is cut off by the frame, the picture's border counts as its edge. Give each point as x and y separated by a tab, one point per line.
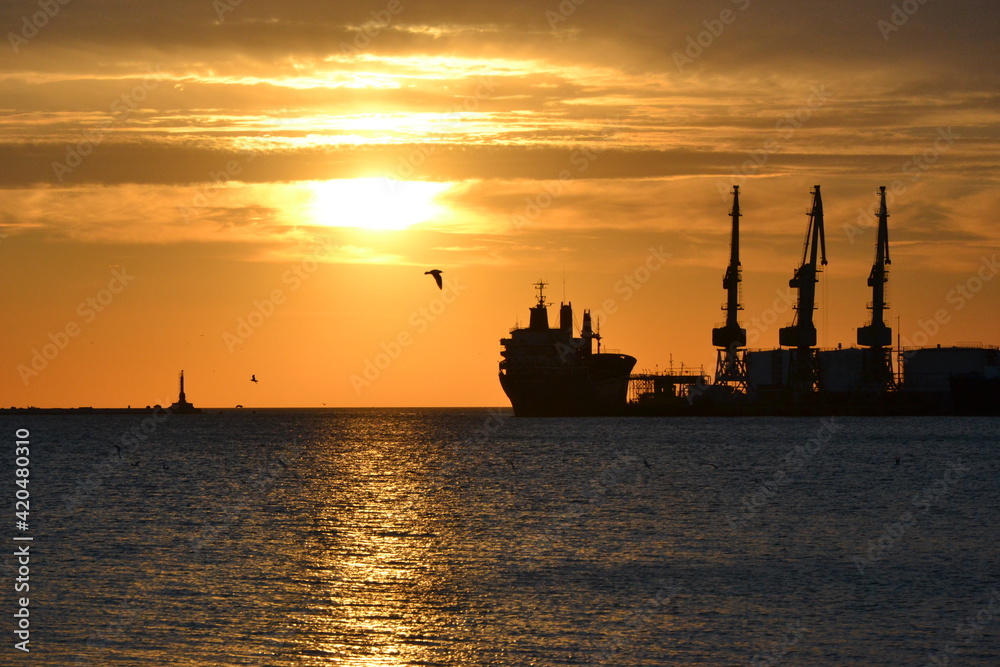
731	338
801	334
877	372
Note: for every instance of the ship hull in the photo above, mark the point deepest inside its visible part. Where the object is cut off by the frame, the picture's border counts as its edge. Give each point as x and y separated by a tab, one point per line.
597	388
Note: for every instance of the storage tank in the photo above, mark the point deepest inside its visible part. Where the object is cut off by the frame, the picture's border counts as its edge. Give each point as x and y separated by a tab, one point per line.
767	368
930	369
840	371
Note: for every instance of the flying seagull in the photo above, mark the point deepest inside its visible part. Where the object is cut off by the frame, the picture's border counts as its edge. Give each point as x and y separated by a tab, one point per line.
437	276
253	378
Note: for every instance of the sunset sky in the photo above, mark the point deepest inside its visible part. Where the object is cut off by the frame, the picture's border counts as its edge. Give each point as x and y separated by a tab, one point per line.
236	188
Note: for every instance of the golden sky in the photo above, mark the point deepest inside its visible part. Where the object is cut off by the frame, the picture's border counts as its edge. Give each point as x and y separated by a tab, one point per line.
236	188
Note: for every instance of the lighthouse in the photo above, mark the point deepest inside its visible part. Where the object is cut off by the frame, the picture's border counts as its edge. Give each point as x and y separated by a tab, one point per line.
182	405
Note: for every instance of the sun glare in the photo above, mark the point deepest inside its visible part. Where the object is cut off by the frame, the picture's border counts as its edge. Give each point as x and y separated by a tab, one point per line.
375	203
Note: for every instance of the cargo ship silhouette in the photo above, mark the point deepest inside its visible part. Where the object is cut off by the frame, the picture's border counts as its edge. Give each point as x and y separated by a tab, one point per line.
547	371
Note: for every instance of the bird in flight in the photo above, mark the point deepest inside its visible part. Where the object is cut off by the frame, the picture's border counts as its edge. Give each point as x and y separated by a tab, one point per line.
253	378
437	276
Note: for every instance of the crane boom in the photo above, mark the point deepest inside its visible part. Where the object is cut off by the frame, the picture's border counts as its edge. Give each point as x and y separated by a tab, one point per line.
802	332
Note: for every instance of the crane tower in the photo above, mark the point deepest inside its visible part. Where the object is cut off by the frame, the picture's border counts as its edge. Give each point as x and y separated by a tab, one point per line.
731	338
801	334
877	337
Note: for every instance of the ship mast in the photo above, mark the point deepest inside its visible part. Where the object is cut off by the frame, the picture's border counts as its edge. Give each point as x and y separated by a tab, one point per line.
540	286
539	315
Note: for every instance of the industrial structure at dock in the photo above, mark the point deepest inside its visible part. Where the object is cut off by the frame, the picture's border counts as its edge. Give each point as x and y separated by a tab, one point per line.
549	372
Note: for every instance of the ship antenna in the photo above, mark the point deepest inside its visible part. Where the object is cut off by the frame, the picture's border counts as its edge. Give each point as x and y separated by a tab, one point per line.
540	286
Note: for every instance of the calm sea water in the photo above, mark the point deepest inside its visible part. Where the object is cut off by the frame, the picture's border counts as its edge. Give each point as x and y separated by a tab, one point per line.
466	537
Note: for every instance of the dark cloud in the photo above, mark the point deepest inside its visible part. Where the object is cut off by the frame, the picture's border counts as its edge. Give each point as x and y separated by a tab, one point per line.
788	35
181	93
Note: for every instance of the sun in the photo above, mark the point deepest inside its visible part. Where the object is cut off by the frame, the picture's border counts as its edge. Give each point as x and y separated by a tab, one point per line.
374	203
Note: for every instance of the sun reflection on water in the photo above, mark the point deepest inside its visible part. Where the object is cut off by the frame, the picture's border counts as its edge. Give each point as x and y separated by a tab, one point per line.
383	560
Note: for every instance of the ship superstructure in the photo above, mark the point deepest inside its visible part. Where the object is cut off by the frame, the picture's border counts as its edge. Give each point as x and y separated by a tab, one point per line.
547	371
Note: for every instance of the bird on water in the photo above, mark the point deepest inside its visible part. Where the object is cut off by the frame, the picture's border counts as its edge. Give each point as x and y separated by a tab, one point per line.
253	378
437	276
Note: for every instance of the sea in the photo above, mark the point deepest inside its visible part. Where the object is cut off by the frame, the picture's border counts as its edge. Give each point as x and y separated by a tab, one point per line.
454	537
